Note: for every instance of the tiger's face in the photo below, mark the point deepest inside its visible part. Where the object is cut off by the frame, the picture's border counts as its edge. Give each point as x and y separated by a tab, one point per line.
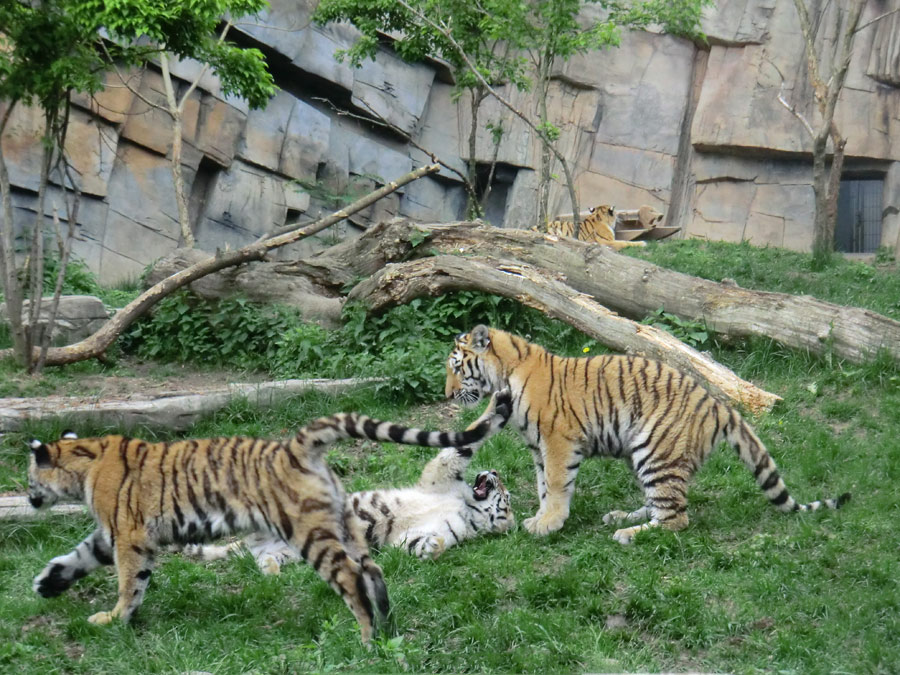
470	376
49	480
493	496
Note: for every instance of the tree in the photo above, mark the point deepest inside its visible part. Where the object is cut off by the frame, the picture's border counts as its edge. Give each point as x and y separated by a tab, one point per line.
255	84
834	66
52	48
414	40
544	31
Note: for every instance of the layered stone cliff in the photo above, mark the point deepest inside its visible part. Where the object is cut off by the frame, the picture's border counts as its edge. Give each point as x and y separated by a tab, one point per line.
696	131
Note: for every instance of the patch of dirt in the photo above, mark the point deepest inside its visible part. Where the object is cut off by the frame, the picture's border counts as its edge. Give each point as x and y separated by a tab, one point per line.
132	379
152	379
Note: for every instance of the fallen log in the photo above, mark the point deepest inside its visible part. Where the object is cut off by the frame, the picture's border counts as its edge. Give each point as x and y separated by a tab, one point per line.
628	286
401	282
175	410
635	288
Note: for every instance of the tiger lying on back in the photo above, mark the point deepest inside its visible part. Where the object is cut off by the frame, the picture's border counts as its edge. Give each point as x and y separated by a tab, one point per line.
144	495
658	419
596	228
440	511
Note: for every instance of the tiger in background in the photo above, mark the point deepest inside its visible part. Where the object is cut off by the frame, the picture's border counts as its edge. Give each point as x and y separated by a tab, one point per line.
144	495
661	421
597	228
438	512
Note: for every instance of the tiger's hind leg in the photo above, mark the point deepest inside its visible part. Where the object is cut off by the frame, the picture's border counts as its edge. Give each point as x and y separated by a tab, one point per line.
666	507
65	570
134	564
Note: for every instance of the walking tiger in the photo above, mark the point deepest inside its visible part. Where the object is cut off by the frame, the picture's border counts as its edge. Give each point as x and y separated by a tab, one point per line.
144	495
661	421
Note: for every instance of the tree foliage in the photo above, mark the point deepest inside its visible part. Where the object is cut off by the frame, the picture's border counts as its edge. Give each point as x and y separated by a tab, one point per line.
534	35
52	48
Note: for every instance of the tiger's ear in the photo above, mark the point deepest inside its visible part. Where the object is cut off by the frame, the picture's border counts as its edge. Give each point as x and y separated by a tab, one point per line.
480	338
69	435
41	453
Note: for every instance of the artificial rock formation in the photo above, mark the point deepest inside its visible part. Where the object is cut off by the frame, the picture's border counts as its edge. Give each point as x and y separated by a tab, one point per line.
693	130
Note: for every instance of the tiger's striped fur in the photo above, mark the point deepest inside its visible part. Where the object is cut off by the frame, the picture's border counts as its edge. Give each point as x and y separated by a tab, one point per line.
144	495
440	511
597	228
658	419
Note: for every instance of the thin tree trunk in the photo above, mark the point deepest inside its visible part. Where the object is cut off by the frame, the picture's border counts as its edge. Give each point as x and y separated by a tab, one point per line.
176	111
12	286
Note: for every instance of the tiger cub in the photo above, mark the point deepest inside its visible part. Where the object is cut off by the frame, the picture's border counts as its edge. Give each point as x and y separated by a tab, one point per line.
661	421
440	511
144	495
597	228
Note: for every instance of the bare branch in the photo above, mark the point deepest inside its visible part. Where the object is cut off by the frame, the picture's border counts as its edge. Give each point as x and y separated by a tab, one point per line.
796	113
97	344
380	121
876	20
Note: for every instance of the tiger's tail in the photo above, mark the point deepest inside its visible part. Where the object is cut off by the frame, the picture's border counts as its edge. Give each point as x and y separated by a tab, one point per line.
321	433
758	460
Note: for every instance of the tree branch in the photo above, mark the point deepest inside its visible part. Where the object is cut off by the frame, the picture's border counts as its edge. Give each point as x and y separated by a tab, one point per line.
95	345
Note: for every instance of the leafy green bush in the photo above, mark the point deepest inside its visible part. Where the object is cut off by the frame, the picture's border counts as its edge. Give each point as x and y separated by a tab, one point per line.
407	345
693	333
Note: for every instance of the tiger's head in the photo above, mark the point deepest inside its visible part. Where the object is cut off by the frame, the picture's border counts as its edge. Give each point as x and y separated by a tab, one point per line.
492	500
472	367
56	471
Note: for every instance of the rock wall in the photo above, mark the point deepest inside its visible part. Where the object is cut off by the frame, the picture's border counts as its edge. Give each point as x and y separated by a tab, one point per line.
694	130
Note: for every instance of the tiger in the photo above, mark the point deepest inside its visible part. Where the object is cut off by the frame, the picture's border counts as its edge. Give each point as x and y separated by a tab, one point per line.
143	495
438	512
659	420
597	228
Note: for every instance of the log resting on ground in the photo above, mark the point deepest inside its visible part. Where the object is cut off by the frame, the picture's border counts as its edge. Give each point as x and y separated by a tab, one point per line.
401	282
629	286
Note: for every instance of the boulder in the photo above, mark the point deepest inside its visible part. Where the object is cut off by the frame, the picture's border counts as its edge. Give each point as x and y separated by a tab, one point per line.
77	317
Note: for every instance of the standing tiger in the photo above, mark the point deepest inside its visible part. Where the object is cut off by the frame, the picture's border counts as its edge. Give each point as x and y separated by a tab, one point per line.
661	421
143	495
438	512
597	228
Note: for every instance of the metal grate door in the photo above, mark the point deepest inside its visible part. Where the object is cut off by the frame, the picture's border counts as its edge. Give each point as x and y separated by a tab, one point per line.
858	227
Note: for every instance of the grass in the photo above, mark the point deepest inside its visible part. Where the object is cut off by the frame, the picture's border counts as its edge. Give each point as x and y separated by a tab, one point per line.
744	589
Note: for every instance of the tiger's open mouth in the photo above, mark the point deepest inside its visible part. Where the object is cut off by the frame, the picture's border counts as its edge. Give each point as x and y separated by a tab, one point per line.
484	483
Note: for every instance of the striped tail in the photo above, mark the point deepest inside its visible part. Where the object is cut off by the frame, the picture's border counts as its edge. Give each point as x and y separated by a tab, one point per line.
758	460
326	430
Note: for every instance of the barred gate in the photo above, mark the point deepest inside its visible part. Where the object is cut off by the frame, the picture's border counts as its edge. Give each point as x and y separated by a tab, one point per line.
858	228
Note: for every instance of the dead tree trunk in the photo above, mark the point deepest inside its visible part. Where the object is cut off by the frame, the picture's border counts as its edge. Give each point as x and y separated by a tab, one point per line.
402	282
626	285
629	286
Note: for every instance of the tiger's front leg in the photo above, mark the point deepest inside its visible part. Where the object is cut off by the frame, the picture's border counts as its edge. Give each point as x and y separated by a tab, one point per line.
65	570
134	564
556	483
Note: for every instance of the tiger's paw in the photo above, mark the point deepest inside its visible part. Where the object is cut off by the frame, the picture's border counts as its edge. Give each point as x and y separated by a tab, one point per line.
614	517
543	524
626	535
56	578
101	618
268	564
431	547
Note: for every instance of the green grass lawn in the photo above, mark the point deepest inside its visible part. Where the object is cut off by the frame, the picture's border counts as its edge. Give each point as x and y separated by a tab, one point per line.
743	589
